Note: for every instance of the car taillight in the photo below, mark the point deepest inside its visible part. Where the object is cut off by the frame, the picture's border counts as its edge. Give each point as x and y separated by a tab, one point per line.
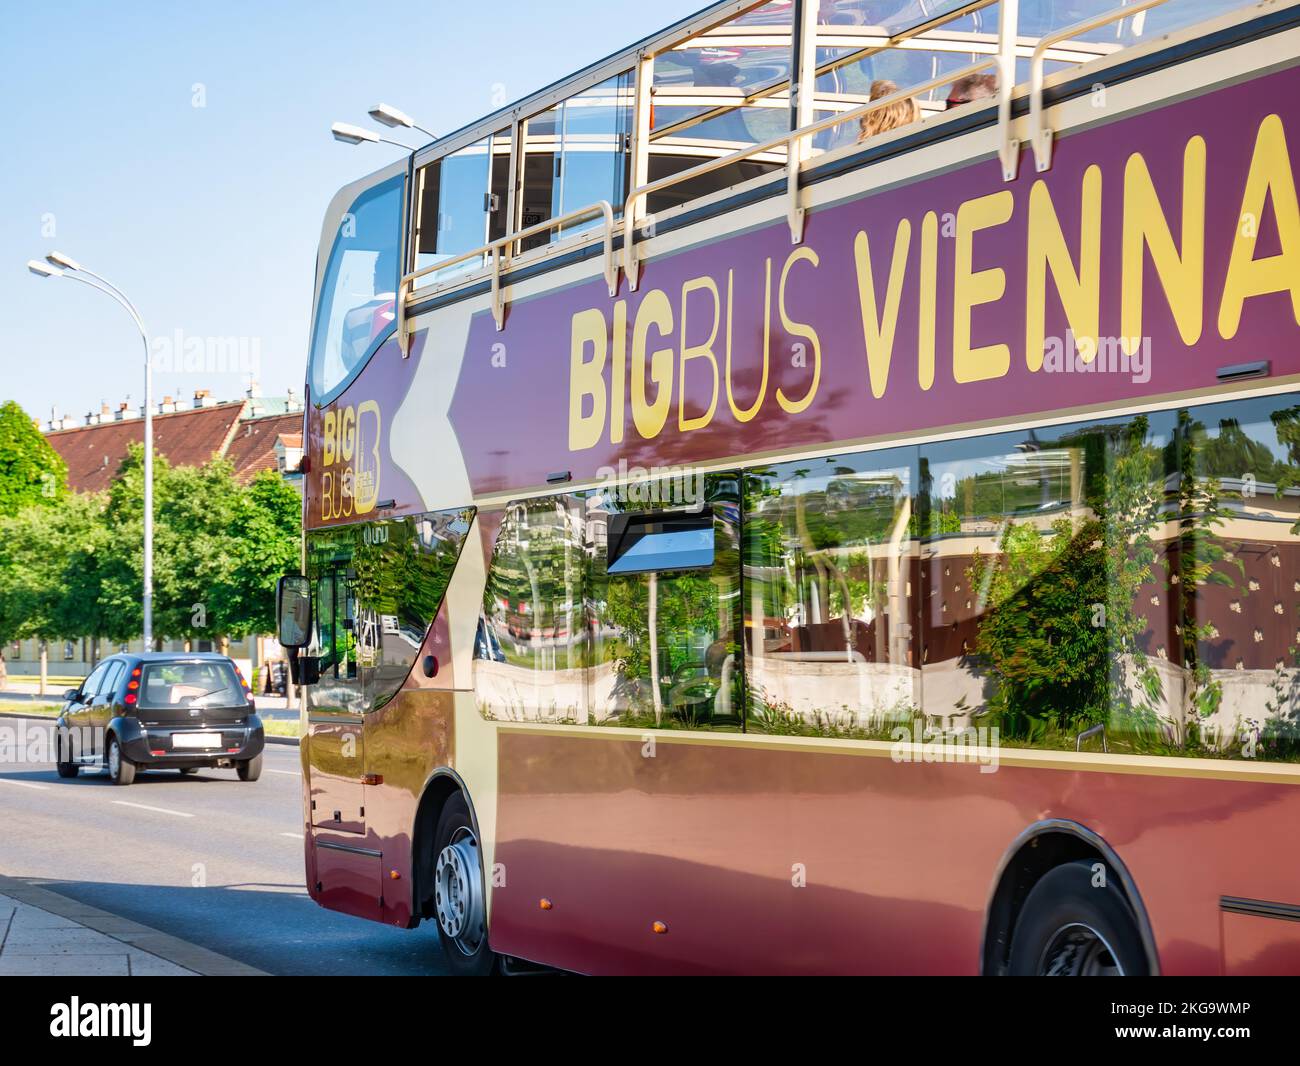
130	698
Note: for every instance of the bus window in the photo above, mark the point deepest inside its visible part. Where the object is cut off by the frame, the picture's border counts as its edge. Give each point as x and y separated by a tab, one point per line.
1049	591
451	215
356	307
664	643
403	567
575	155
716	93
829	573
529	655
499	189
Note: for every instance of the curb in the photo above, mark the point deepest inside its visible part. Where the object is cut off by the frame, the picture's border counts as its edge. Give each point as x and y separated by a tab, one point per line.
170	948
295	741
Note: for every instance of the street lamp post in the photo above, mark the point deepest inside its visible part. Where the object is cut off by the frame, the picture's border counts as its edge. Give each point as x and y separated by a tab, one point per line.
58	265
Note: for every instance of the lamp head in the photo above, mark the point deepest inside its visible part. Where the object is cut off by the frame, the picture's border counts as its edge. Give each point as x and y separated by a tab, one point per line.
58	259
349	134
389	116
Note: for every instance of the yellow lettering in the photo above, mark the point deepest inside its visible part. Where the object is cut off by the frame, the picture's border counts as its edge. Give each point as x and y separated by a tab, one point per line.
878	333
1080	291
1182	275
1270	176
654	311
745	414
928	299
974	287
329	430
698	351
347	433
618	374
799	329
586	378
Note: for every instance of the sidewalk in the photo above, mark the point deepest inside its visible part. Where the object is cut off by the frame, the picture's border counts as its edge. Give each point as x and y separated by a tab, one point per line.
43	934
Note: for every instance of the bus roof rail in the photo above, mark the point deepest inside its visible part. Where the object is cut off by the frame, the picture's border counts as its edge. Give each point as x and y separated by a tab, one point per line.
1040	136
494	249
787	140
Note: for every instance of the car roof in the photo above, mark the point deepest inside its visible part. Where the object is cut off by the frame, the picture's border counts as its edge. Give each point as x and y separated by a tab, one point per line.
177	656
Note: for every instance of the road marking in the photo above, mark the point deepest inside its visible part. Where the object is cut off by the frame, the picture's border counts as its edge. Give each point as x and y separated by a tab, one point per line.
291	773
296	836
22	784
157	810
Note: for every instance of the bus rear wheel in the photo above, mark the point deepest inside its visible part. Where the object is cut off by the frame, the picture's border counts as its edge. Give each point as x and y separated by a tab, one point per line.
459	895
1070	927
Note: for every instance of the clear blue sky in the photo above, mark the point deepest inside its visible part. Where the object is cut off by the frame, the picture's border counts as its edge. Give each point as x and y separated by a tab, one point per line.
209	217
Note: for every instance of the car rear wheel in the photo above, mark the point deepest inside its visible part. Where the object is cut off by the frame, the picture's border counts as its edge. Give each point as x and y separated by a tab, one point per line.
459	894
121	770
1073	927
250	769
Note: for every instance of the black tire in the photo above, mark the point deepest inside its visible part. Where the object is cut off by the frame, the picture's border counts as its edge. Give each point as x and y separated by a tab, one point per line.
1071	927
65	769
122	770
250	769
464	959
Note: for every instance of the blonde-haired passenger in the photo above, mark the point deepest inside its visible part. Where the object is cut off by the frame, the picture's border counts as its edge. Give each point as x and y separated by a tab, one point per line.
891	116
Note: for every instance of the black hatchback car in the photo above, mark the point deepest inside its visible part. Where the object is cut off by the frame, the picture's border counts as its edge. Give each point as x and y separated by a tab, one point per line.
160	711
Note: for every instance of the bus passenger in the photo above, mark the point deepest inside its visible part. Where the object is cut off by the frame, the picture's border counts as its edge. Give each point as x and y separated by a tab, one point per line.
889	117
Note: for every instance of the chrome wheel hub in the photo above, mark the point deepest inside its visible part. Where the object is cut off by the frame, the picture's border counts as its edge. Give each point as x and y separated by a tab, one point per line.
458	892
1079	951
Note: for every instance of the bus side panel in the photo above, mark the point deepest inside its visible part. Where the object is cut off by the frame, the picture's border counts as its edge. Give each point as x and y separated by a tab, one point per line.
758	859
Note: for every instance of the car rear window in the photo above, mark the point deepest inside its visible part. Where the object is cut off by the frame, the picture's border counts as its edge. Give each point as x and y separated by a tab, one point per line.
198	684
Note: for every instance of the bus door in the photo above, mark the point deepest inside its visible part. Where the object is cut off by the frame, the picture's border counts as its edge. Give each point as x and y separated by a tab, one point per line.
336	704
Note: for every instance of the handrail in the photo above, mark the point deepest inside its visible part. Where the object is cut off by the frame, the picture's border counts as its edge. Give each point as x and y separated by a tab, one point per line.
494	249
794	211
1040	136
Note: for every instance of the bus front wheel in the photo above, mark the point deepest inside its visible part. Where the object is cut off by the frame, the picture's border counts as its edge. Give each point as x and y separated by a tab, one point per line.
1077	924
459	896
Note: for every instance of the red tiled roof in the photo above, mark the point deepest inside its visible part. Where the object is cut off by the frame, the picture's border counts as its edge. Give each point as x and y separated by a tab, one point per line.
252	449
185	438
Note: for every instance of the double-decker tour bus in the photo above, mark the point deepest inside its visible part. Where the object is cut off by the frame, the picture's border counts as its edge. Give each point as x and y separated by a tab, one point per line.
819	491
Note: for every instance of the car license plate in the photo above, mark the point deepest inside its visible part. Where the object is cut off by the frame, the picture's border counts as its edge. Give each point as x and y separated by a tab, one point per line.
196	740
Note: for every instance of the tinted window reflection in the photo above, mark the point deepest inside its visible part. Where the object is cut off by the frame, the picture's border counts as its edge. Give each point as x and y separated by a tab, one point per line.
1241	578
402	567
664	647
563	640
1048	585
829	568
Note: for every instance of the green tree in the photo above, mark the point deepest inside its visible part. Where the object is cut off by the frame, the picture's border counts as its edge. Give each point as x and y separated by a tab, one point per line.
31	472
264	539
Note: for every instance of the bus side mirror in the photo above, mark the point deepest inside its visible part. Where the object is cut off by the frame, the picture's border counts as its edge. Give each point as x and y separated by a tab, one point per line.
293	611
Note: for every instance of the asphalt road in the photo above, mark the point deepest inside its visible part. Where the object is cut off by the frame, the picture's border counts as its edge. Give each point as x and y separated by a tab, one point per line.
206	857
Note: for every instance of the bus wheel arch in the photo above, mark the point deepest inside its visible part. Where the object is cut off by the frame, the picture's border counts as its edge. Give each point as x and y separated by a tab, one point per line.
1040	849
443	784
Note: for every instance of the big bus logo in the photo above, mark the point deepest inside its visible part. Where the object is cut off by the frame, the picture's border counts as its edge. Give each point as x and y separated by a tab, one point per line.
349	482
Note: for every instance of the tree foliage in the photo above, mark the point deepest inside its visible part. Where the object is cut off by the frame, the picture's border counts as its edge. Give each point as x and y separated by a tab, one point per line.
31	472
71	566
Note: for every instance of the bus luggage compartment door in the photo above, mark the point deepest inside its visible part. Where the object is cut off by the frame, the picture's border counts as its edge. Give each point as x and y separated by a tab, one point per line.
334	756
